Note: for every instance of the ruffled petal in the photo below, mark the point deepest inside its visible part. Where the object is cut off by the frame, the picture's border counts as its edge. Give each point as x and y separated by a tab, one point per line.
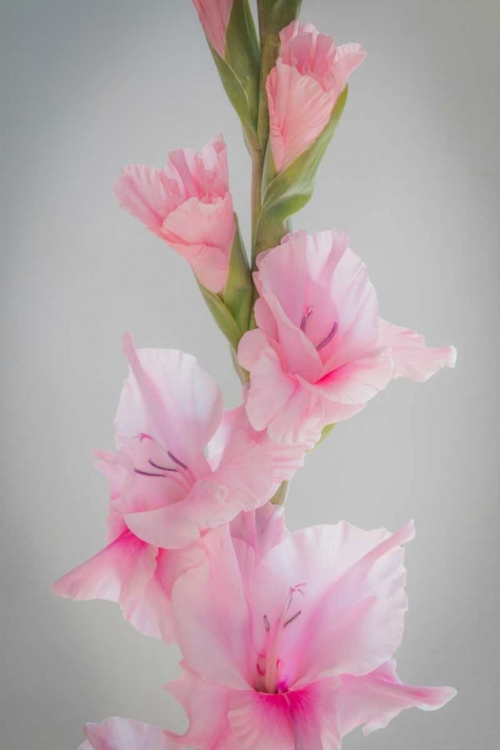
299	109
412	358
206	706
356	382
374	699
126	572
125	734
214	17
203	233
171	399
349	589
143	192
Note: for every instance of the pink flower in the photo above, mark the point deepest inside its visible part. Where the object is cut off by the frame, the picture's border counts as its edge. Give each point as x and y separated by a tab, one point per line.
165	493
125	734
321	352
304	86
214	16
301	655
187	204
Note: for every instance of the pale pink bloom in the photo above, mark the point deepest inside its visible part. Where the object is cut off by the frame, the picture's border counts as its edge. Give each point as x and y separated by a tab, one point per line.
304	86
214	16
293	649
165	493
187	204
125	734
320	351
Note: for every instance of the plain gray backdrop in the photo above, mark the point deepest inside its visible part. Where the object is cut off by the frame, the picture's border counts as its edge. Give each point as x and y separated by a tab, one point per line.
413	174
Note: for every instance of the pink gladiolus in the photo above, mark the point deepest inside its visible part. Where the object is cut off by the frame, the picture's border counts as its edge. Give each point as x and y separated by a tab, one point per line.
187	204
304	86
164	491
125	734
320	351
214	17
293	649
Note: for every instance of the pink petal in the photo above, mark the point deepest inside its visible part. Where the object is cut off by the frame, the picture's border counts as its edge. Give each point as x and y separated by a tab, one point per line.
356	382
203	233
214	636
261	529
252	345
304	718
270	389
376	698
214	17
142	191
126	572
300	422
246	471
352	604
412	359
206	706
299	109
242	481
125	734
285	459
348	57
171	399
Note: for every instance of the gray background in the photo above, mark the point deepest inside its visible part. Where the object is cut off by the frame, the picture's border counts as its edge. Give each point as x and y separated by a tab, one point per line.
413	175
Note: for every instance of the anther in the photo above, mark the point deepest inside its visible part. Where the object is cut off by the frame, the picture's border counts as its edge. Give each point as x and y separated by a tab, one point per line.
289	622
266	624
328	338
148	473
176	460
162	468
305	318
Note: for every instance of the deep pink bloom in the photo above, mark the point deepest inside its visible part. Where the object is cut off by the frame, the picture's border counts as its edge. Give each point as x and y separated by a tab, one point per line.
292	649
125	734
187	204
165	493
320	351
304	86
214	17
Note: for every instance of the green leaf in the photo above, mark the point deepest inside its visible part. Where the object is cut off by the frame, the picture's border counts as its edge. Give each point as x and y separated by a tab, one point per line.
324	434
237	294
222	316
290	190
239	69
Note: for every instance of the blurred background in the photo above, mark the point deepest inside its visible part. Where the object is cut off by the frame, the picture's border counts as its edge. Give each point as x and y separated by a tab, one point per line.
413	174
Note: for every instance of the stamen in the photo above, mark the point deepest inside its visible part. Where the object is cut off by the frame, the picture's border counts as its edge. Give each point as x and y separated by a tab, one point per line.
328	338
266	624
305	318
162	468
148	474
176	460
289	622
